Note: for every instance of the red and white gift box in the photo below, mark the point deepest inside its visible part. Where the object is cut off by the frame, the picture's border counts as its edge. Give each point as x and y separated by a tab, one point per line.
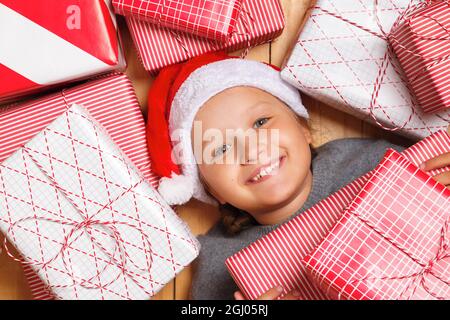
342	58
392	241
422	46
85	219
276	259
259	21
49	42
212	19
112	102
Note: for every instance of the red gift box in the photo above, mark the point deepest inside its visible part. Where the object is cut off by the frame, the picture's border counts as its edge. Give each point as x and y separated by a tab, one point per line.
259	21
48	42
276	259
111	100
422	46
392	241
212	19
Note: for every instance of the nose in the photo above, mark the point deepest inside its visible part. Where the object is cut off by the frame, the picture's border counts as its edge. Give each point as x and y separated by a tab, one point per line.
253	152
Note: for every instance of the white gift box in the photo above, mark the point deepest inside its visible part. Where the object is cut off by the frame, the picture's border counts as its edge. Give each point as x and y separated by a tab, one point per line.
341	58
85	219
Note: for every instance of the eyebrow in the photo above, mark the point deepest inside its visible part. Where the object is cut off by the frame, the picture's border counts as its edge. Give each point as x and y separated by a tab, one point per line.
252	108
258	104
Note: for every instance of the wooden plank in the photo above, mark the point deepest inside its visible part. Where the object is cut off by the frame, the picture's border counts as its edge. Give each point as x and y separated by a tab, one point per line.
13	284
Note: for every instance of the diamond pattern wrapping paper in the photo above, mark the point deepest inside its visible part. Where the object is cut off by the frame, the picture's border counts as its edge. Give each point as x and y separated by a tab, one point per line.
212	19
259	21
342	58
393	240
85	219
111	100
276	259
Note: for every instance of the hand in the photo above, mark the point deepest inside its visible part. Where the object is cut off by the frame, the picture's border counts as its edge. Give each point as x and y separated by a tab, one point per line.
272	294
437	163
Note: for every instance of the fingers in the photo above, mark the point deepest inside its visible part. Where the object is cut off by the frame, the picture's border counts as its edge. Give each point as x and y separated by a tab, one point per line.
276	292
272	294
238	296
443	178
436	163
293	295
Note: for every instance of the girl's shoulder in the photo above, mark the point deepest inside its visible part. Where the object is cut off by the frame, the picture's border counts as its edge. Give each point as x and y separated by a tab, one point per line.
349	145
345	160
352	149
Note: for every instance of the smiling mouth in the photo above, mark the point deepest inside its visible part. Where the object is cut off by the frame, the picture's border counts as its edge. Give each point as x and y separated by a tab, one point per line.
266	172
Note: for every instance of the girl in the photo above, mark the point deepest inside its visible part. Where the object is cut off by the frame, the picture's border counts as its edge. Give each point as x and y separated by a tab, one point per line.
241	141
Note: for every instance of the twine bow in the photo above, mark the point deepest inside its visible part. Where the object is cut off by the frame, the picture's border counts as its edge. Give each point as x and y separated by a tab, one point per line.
117	258
419	279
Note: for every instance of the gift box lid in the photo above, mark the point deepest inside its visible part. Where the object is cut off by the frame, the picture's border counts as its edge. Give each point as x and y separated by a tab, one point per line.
212	19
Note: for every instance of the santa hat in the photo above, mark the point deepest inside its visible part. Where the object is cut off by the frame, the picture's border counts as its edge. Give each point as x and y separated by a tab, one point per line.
175	97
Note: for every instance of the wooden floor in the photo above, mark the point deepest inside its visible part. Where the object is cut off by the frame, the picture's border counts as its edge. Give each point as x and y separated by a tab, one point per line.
326	123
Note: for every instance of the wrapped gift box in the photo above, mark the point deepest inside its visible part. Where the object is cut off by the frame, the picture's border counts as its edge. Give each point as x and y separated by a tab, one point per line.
259	21
422	47
342	58
48	42
392	241
276	259
85	219
112	102
212	19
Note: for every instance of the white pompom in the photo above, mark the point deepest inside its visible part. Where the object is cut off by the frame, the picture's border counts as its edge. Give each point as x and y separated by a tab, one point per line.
176	190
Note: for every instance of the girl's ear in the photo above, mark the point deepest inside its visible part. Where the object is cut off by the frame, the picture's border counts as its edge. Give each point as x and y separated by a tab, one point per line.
307	134
305	129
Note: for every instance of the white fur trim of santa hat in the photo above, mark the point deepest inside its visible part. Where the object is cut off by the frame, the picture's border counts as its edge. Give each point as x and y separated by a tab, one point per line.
203	84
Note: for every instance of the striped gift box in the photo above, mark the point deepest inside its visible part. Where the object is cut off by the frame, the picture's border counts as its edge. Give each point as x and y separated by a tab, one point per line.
422	46
46	43
111	100
392	241
212	19
276	259
259	21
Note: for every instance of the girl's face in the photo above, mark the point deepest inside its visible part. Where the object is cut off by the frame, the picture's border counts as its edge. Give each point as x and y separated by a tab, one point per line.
262	172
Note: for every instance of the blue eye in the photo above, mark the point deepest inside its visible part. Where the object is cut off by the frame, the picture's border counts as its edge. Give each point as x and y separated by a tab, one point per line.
221	150
260	122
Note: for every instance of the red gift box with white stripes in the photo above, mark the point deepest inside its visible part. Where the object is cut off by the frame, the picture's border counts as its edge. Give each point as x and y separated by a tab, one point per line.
111	100
392	241
212	19
422	46
276	259
259	21
46	43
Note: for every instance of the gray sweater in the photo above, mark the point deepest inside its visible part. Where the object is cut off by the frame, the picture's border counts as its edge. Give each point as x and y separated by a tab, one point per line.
336	164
